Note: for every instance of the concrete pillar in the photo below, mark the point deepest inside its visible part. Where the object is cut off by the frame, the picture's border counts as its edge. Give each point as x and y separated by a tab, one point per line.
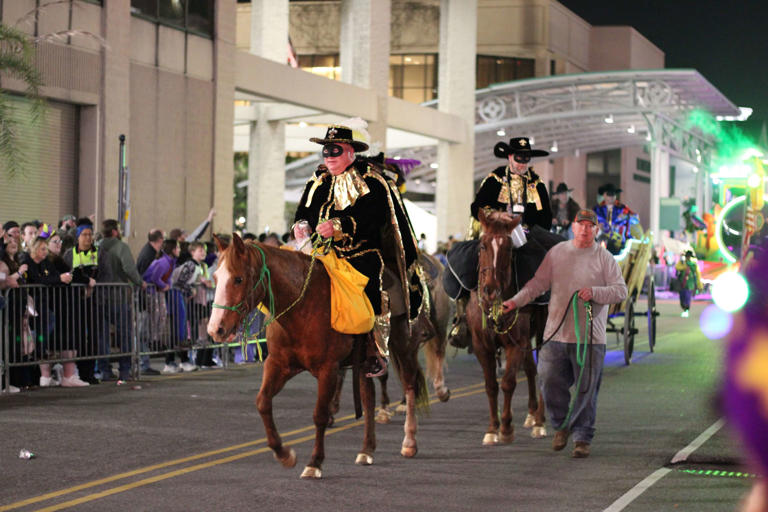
364	56
223	171
266	153
456	95
269	29
114	104
659	180
266	176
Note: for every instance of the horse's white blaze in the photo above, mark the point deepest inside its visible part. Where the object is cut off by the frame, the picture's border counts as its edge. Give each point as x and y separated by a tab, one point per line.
495	245
220	297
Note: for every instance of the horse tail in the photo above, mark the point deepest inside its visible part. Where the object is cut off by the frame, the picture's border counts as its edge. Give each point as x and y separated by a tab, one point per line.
421	391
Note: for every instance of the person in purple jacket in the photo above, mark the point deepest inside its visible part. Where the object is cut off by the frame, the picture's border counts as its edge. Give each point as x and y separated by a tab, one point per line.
159	274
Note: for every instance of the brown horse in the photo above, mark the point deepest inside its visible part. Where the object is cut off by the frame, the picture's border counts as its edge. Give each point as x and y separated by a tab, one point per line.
492	332
301	339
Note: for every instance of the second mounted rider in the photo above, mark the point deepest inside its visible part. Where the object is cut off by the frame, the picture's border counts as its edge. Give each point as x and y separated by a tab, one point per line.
514	189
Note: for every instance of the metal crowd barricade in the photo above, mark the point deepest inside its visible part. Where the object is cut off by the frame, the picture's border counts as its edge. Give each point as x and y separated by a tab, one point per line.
170	322
54	324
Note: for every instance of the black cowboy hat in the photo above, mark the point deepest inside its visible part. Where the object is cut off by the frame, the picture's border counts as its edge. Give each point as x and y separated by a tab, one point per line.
340	134
517	145
608	188
562	187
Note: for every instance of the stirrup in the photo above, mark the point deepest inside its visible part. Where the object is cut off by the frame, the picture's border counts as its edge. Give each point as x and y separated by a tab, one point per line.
377	367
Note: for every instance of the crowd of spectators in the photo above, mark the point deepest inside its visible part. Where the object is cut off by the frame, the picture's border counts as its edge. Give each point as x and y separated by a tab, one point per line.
75	317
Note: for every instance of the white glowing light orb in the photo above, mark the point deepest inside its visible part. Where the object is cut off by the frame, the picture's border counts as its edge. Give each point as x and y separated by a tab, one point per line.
715	323
730	291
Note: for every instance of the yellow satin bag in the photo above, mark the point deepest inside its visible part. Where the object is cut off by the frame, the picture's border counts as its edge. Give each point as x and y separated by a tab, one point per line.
351	311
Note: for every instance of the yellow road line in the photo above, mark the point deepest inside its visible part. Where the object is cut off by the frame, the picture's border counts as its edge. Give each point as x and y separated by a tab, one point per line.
231	458
205	465
179	472
154	467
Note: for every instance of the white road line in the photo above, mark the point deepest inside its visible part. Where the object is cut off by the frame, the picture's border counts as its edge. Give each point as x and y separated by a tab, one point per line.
685	452
657	475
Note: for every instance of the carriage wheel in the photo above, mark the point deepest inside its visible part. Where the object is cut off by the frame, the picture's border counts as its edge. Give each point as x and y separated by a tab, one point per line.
652	315
629	329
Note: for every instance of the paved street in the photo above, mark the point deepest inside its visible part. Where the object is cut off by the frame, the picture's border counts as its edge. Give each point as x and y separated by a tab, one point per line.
195	442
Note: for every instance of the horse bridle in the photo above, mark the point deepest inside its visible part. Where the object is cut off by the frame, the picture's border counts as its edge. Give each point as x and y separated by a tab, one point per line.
241	306
496	312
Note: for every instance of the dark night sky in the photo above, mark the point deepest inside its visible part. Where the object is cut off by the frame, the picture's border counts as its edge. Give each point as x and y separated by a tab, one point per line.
726	41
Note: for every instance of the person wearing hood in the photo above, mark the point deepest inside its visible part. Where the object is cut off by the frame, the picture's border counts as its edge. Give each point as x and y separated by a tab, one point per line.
118	265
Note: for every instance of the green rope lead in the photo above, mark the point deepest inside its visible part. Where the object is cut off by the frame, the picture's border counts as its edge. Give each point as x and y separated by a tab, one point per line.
581	352
318	243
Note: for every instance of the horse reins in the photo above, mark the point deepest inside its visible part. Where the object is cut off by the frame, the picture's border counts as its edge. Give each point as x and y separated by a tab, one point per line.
318	243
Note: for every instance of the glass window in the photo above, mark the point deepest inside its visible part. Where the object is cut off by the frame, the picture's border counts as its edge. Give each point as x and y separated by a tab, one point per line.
413	77
172	12
495	70
144	7
200	16
323	65
188	15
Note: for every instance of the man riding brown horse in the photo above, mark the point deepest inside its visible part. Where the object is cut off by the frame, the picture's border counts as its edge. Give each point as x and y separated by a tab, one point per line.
516	190
349	201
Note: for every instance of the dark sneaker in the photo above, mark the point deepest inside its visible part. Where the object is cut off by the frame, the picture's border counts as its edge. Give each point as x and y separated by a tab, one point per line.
581	450
149	371
560	440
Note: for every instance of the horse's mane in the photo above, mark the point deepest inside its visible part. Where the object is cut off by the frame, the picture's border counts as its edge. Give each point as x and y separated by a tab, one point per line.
498	223
228	254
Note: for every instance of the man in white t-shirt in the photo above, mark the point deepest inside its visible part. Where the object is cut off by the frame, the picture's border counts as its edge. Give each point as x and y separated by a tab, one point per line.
577	266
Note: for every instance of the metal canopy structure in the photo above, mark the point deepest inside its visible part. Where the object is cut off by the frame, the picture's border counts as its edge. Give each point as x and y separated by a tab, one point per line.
580	113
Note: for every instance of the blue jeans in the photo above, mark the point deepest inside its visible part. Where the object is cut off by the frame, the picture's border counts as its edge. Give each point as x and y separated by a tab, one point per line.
119	316
558	371
685	298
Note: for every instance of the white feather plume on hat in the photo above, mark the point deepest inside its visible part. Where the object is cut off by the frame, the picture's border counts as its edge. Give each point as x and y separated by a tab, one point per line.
359	127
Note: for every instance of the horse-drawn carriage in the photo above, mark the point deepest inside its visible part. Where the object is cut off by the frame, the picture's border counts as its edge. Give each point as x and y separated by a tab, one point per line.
634	260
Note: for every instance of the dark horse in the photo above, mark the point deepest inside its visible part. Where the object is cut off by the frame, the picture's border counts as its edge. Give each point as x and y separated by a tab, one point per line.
492	332
429	329
301	339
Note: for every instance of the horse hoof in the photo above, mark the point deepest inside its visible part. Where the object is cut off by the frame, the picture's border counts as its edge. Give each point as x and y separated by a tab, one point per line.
490	439
444	394
401	409
408	451
310	472
539	432
289	461
383	416
363	459
507	438
530	421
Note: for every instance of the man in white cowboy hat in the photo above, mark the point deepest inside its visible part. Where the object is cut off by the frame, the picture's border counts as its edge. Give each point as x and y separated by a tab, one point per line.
564	209
349	201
